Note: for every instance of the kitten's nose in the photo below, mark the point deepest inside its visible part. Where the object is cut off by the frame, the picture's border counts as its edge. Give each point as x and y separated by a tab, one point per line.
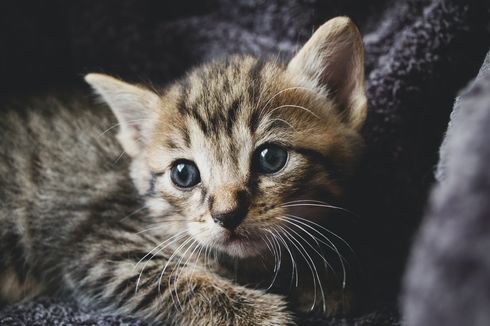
228	208
229	220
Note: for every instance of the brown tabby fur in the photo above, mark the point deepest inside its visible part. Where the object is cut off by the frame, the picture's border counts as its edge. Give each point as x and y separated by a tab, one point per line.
75	221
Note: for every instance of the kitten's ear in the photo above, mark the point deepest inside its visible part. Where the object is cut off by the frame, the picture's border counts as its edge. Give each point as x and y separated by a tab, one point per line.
333	59
133	106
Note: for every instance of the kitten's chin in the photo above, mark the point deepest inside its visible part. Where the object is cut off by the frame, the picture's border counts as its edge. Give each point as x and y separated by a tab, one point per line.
235	244
239	246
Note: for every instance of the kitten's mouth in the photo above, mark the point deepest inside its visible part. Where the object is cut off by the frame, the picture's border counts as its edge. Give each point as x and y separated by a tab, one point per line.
230	237
237	244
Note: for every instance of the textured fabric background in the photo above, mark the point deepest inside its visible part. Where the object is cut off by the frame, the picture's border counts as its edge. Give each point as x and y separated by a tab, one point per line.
419	53
448	279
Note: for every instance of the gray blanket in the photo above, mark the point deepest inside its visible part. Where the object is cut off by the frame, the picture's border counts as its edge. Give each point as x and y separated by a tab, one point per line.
448	278
418	55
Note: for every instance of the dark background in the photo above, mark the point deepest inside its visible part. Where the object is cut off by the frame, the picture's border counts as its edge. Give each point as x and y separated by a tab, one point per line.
50	42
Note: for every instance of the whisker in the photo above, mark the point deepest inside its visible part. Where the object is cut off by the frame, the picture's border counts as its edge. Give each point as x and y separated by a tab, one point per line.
189	239
130	122
206	255
170	276
277	253
320	205
327	265
334	249
165	243
133	213
201	247
283	121
294	270
155	248
309	262
306	201
273	252
280	92
176	251
293	106
307	242
120	156
341	258
182	256
323	228
317	240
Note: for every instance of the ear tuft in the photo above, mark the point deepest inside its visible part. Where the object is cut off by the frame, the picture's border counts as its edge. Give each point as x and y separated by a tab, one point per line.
94	78
133	106
333	60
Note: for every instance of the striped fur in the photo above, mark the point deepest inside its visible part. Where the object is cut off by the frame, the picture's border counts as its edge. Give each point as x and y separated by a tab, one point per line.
79	219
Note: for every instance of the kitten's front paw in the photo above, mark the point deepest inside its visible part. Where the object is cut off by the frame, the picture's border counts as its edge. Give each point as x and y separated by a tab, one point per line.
271	309
214	301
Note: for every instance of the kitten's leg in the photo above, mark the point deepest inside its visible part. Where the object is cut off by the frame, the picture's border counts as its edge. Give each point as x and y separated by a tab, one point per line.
102	273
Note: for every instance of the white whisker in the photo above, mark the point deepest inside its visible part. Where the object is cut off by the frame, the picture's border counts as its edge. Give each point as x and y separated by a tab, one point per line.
283	121
293	106
294	270
341	258
130	122
327	265
159	249
323	228
189	239
276	260
201	247
314	239
319	205
309	262
133	213
182	256
279	93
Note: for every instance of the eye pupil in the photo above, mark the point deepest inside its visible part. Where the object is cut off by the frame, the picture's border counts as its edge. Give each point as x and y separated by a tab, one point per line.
271	158
185	174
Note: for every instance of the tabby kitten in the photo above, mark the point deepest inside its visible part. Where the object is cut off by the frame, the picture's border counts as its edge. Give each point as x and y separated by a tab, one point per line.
225	199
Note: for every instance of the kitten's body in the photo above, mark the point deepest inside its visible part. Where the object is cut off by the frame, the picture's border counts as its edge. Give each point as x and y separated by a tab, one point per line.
77	218
58	171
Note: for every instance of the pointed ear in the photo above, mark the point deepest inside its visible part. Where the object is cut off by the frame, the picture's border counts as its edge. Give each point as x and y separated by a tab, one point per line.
333	60
133	106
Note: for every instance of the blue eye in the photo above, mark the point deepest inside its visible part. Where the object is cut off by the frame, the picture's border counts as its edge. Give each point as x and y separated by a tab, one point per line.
270	158
185	174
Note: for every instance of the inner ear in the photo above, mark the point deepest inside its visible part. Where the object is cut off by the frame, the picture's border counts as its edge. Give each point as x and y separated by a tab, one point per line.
134	107
333	60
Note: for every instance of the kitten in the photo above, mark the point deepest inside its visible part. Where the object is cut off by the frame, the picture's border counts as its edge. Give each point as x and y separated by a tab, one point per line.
230	169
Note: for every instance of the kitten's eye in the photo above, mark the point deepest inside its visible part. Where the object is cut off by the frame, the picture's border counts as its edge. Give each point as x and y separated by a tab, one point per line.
185	174
270	158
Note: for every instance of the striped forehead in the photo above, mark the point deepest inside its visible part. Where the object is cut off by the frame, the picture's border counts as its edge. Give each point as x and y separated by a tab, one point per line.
227	104
219	96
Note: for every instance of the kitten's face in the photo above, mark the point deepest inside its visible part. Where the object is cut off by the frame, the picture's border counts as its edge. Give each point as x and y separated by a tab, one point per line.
226	150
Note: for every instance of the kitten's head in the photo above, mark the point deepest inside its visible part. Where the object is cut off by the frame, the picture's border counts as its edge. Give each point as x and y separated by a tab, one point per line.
230	148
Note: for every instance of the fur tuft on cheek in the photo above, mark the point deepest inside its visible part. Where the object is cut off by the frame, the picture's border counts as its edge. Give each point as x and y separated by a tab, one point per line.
158	206
141	175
